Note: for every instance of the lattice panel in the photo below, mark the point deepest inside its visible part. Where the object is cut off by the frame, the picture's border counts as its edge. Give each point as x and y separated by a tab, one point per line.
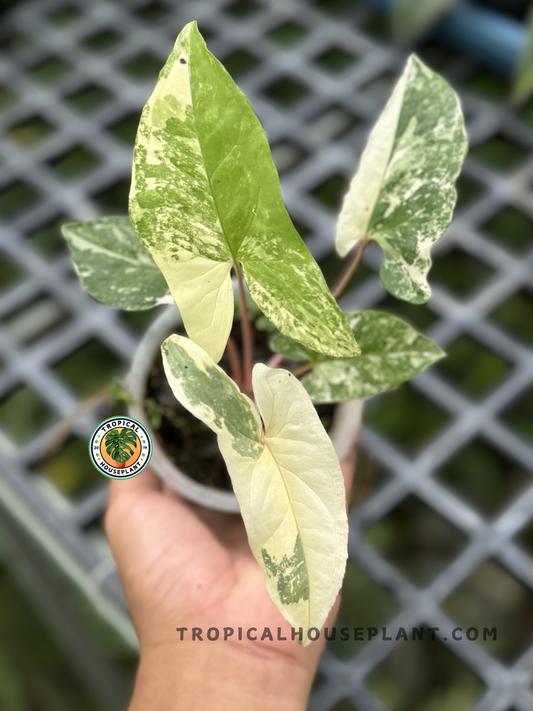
441	530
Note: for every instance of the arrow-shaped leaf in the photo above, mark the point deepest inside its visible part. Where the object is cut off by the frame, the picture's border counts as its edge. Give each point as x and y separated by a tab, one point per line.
287	480
205	196
403	194
113	265
392	353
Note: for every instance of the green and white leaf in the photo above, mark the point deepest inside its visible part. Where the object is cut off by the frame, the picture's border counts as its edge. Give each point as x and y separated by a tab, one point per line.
411	19
403	194
523	83
113	265
392	353
205	197
287	480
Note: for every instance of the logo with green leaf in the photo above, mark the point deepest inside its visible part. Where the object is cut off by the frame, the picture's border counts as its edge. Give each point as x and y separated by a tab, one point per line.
120	445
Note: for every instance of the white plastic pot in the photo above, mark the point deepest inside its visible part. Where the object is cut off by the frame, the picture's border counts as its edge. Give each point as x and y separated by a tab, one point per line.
344	432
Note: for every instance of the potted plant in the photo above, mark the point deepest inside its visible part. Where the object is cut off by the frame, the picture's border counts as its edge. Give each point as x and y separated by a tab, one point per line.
205	201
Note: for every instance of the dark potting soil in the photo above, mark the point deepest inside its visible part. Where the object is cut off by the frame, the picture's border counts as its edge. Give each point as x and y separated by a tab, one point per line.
190	444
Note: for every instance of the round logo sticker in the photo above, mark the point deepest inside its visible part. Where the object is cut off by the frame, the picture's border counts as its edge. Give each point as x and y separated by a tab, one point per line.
120	448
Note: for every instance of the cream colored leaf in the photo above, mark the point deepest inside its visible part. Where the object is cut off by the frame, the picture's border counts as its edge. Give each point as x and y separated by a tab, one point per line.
287	480
203	290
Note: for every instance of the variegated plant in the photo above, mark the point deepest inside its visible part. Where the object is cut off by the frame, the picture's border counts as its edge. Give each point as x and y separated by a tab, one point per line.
205	201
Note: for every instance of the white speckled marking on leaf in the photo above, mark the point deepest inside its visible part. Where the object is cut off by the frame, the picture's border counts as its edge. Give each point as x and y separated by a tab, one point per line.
205	187
403	194
113	265
392	353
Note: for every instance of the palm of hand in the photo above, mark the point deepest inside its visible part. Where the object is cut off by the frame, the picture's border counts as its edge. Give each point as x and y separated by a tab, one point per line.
183	566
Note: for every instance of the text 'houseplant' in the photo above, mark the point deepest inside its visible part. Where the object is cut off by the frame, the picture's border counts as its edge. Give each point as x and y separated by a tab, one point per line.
205	202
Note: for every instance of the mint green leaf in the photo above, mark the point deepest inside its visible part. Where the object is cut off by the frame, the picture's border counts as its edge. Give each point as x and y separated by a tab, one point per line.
523	83
392	353
404	192
287	479
205	197
113	265
411	19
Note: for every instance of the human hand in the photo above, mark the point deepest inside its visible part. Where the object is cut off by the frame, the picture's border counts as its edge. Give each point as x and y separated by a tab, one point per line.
184	566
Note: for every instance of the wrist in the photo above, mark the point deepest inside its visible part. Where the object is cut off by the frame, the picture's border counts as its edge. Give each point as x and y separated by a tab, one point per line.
223	676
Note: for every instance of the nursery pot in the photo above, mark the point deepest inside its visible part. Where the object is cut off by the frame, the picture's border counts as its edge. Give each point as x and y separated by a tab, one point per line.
344	431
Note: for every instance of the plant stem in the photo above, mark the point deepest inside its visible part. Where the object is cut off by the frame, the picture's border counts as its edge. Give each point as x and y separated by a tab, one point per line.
303	369
345	277
247	338
275	361
234	361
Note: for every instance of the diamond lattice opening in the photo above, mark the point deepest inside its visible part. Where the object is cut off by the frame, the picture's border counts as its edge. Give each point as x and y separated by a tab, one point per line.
489	85
143	68
27	134
370	475
287	34
331	191
114	200
126	129
24	414
493	598
499	153
102	41
468	191
484	477
10	272
64	17
515	315
152	13
70	470
35	320
240	63
417	540
75	163
50	71
418	316
460	273
364	604
7	98
525	538
473	368
337	8
511	229
519	416
407	418
336	60
47	239
286	91
89	368
16	199
89	99
243	9
425	674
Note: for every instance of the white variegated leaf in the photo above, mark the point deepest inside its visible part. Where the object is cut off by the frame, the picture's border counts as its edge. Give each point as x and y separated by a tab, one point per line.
113	265
287	479
403	194
205	190
392	353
